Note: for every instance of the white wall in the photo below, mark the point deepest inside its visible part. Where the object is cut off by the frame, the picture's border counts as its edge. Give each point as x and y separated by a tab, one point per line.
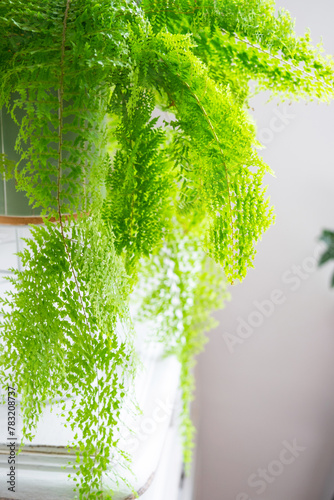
277	386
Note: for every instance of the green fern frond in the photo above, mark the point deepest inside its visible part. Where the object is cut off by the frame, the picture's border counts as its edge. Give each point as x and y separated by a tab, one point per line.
139	183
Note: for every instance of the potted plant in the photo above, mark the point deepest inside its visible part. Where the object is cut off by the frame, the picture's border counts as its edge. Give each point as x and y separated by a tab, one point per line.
138	210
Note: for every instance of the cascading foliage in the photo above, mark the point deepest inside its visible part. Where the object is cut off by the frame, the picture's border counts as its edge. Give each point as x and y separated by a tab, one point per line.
173	207
61	335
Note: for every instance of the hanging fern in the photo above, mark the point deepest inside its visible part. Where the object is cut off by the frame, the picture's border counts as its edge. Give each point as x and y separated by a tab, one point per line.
68	343
140	203
221	140
139	182
178	290
58	69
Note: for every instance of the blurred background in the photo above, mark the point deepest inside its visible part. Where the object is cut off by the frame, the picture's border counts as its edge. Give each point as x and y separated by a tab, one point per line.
265	397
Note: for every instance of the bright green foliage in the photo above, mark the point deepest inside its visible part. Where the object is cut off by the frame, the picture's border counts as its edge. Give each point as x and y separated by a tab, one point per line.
60	337
168	207
220	139
6	167
178	290
58	69
139	182
240	40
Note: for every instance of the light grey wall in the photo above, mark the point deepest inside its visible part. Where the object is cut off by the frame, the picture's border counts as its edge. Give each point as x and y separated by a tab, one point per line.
276	387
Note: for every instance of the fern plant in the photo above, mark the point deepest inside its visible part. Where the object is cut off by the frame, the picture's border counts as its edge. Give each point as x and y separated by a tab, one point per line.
171	208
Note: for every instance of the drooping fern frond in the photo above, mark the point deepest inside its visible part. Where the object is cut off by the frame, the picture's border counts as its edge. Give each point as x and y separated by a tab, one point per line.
242	40
60	338
177	291
237	60
139	181
221	138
